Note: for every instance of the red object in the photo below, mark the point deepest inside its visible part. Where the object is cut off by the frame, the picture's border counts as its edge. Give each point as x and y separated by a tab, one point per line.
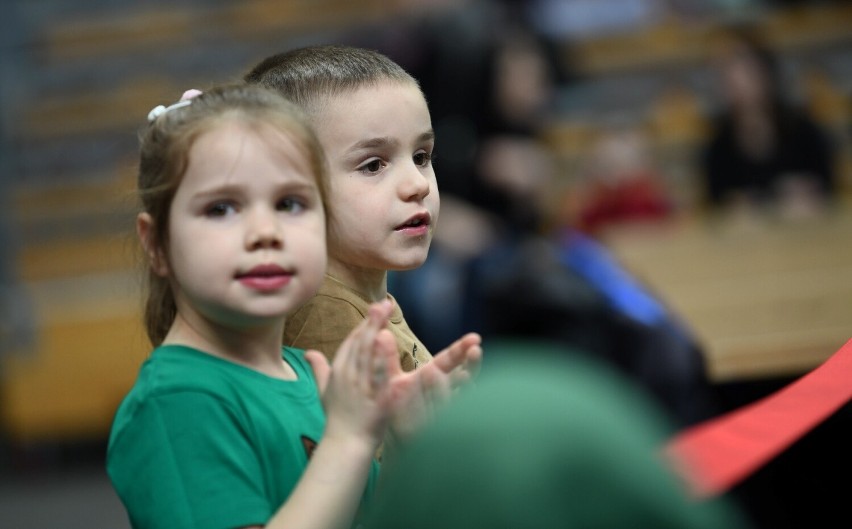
638	198
717	454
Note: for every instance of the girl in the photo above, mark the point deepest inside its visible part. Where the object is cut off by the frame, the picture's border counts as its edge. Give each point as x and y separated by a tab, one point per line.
223	429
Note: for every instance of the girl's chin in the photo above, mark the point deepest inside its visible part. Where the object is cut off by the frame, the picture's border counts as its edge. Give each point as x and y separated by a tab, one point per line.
259	318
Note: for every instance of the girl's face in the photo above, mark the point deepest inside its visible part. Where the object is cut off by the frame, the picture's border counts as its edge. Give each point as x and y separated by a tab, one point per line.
383	197
247	228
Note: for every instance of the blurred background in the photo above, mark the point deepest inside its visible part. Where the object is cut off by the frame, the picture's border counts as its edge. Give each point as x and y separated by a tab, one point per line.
663	184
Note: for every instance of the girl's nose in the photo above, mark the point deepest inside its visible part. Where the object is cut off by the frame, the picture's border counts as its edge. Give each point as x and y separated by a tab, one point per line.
263	230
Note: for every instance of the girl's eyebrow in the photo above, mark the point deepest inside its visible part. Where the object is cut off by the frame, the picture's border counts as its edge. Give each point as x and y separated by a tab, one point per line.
217	190
293	185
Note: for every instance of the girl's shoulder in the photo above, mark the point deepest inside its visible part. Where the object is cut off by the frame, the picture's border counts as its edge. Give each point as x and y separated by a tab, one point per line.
182	369
295	356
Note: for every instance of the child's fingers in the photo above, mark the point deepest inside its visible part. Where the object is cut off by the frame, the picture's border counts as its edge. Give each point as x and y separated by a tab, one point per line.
320	367
459	377
353	364
473	360
378	313
362	366
344	354
385	361
358	381
436	387
457	353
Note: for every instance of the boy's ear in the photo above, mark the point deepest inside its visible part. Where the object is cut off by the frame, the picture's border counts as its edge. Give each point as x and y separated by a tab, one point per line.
145	231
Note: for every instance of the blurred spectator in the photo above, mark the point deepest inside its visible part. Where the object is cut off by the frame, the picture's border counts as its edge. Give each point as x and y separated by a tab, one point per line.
545	439
623	183
764	152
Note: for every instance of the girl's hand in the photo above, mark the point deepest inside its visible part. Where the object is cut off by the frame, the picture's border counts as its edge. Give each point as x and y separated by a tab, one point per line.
415	395
355	388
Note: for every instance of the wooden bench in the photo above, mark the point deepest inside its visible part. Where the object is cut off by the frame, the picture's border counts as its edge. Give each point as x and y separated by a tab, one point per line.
766	299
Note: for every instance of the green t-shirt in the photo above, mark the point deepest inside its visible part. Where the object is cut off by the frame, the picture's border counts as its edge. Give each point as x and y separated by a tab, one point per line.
201	442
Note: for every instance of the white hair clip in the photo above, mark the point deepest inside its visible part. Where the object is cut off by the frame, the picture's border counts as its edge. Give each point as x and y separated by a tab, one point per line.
159	110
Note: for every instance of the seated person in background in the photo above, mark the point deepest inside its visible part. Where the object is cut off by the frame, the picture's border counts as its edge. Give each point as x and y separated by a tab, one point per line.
763	151
623	186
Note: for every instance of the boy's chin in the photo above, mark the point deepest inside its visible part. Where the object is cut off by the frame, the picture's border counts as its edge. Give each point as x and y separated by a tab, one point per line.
408	264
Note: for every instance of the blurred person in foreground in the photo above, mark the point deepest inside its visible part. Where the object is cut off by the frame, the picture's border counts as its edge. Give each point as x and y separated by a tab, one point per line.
765	153
545	439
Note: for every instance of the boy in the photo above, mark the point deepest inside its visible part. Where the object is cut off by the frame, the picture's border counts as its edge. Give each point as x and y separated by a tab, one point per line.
373	122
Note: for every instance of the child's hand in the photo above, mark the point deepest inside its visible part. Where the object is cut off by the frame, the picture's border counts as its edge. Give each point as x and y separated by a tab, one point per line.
461	360
416	394
355	387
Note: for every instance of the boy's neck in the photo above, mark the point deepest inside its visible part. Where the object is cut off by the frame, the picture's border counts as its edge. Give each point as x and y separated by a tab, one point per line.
369	282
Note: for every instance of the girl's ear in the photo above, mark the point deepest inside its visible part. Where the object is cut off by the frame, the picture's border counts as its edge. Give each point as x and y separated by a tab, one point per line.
145	231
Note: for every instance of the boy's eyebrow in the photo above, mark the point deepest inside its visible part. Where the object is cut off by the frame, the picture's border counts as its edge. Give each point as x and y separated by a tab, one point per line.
429	135
374	143
371	143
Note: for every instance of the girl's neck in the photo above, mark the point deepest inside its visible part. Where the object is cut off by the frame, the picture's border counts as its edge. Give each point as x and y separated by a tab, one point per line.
257	348
369	282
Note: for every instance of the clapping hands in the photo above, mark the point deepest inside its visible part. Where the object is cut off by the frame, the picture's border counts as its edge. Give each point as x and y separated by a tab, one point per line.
365	390
415	395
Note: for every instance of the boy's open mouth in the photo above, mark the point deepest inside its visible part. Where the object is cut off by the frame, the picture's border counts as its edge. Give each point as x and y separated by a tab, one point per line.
414	222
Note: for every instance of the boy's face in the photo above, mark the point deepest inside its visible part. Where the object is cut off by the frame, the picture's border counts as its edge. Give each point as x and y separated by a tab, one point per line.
247	228
383	198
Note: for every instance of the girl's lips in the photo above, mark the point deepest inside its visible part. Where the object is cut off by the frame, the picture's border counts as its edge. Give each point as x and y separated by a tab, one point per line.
265	277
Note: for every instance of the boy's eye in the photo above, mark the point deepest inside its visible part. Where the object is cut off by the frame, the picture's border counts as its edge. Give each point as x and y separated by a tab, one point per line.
423	159
219	209
373	166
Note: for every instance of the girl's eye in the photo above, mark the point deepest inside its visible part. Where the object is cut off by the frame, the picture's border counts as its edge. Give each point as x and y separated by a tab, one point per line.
292	205
423	159
220	209
373	166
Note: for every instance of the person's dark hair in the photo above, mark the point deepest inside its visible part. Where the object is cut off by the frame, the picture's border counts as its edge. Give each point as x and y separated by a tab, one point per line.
747	40
164	157
308	76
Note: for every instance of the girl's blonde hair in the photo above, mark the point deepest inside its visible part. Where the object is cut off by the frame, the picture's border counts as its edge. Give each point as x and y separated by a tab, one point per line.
164	157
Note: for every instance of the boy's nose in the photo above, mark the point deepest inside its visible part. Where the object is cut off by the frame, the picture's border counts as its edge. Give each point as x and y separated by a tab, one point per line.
415	183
